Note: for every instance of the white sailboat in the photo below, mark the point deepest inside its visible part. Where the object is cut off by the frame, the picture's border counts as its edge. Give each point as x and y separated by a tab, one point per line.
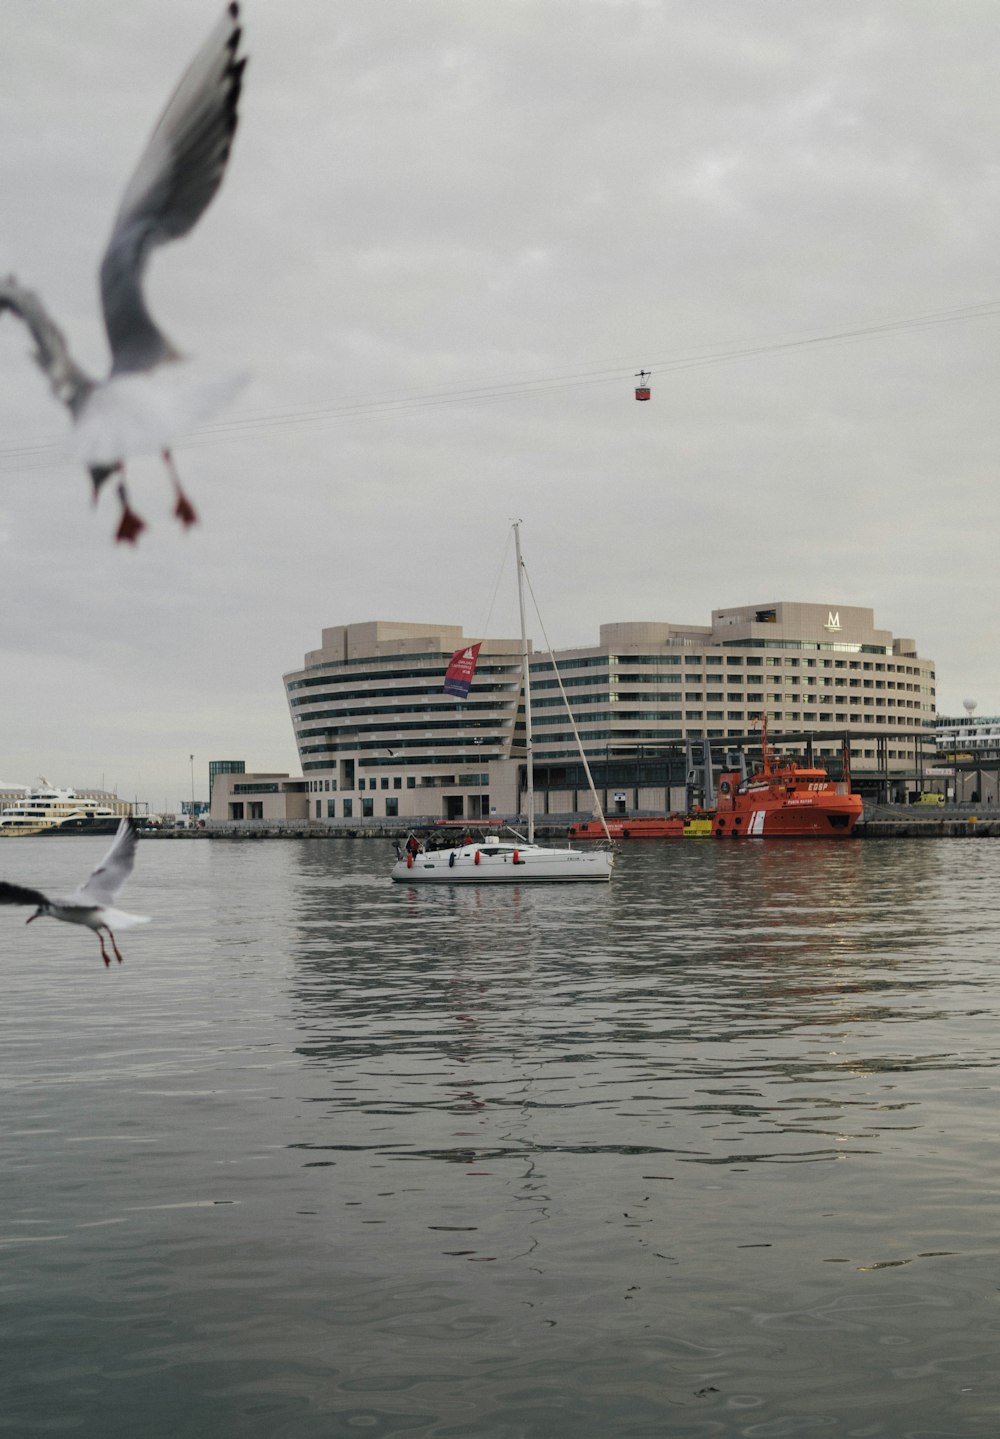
496	859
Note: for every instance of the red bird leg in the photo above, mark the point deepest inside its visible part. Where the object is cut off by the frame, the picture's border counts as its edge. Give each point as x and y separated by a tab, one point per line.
114	946
104	952
130	527
184	510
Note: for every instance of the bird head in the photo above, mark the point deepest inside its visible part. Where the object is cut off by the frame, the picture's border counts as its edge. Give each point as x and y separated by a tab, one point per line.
42	909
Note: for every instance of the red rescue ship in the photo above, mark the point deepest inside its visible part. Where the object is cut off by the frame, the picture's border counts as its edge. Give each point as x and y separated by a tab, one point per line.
784	798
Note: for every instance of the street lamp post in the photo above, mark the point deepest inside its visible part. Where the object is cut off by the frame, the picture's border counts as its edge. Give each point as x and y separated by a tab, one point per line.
192	789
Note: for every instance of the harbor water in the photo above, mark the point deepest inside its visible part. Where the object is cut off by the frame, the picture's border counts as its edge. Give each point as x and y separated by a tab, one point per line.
708	1151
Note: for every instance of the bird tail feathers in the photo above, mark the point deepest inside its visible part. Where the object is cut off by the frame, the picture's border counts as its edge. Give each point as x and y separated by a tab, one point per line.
118	919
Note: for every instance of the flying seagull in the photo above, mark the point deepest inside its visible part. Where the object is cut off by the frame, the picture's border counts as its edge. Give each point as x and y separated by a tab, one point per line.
93	903
151	392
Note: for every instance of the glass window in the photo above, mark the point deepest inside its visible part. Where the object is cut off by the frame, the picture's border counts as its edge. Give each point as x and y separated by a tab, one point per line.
411	781
397	782
348	808
367	808
391	806
331	809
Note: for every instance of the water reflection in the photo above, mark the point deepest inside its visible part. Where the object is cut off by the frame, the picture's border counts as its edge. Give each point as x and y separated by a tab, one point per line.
717	1003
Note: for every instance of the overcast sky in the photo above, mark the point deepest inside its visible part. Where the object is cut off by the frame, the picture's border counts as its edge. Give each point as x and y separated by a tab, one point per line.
449	235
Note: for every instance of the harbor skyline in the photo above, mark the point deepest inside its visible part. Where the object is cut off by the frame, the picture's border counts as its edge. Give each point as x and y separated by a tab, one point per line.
448	240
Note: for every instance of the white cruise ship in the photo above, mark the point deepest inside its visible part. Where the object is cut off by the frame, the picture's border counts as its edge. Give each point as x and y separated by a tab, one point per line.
969	736
48	810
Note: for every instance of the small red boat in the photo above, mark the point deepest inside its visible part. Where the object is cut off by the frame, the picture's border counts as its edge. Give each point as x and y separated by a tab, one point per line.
659	826
785	798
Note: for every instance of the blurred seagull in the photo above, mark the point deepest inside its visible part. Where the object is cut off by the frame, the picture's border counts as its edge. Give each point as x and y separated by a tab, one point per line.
151	392
93	903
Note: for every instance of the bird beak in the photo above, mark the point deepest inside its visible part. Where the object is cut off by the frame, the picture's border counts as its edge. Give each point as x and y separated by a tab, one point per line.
36	915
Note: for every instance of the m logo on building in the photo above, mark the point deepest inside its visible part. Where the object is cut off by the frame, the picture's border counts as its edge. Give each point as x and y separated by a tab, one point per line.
832	620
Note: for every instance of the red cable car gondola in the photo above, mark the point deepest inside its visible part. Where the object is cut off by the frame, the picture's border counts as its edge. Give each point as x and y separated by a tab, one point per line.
642	388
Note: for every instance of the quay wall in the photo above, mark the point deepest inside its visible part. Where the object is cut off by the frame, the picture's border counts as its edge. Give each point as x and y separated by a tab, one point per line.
878	822
920	822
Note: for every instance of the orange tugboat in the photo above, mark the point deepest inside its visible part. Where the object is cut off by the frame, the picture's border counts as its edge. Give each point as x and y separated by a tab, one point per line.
785	798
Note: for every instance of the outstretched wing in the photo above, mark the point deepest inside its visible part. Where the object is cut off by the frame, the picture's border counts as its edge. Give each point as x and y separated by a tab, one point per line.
69	383
178	174
17	894
114	869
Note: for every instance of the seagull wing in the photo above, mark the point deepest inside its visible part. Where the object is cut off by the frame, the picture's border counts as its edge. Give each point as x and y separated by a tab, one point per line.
175	180
17	894
113	870
69	382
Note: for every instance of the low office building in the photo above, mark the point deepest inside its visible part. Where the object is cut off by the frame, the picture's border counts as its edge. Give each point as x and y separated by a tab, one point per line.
378	737
266	798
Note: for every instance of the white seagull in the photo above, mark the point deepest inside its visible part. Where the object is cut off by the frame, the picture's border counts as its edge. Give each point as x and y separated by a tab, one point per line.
93	903
151	393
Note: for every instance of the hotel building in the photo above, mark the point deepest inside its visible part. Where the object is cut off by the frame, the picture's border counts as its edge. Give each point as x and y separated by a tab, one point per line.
378	738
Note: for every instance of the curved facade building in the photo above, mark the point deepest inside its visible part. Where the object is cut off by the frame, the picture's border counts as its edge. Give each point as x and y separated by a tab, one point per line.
378	738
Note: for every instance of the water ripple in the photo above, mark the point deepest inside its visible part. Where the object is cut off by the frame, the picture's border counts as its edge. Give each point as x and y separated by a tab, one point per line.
707	1152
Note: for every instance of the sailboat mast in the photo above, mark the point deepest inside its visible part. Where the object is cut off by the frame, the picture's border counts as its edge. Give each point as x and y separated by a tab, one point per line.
526	682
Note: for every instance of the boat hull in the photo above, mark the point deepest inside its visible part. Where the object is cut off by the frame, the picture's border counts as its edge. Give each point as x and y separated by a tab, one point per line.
822	820
504	864
666	826
85	826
